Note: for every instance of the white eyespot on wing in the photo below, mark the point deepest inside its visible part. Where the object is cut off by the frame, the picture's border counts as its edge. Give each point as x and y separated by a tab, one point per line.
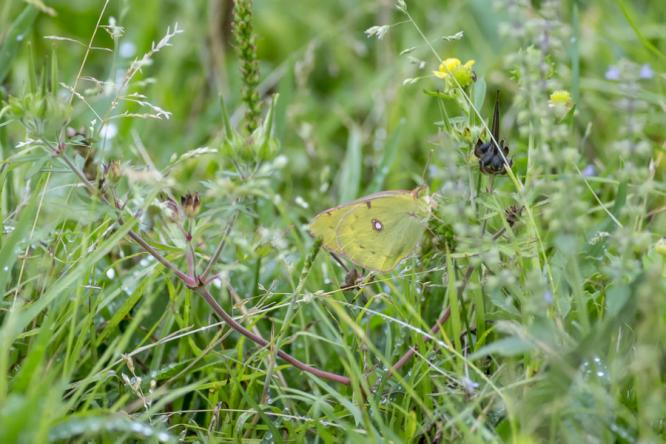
377	225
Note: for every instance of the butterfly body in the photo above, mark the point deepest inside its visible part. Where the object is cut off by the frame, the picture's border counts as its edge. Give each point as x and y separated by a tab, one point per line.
377	231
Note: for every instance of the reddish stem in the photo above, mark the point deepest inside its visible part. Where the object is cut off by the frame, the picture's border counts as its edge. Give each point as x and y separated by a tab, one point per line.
412	350
193	283
189	281
261	341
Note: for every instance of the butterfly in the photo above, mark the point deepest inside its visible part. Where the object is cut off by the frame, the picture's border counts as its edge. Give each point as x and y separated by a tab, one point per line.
377	231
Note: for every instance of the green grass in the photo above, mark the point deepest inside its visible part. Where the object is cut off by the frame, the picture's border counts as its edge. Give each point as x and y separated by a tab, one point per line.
532	311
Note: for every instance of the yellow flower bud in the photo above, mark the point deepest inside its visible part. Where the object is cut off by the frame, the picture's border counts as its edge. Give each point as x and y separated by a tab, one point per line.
560	98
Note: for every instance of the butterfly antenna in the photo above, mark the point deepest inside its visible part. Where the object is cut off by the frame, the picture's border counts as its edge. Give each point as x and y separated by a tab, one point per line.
339	261
496	119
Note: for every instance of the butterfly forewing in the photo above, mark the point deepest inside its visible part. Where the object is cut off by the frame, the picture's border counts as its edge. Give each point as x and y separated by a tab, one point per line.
325	224
379	232
376	231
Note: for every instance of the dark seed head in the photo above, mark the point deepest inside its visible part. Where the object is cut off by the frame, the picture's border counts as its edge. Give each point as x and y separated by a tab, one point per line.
493	154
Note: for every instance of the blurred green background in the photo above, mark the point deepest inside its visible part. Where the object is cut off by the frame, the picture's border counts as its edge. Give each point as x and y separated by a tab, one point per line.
316	56
332	79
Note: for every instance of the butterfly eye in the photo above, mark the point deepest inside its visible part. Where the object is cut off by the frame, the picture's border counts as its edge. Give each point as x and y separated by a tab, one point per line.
377	225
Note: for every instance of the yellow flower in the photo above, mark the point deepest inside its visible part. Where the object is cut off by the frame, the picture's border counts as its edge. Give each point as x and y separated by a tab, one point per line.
560	98
453	68
447	66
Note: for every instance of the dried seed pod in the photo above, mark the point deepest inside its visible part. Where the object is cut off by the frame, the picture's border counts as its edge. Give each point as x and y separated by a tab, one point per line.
191	204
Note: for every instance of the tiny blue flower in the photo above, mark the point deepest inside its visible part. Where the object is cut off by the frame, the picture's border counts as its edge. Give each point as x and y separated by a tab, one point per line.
589	171
646	72
548	297
469	385
612	73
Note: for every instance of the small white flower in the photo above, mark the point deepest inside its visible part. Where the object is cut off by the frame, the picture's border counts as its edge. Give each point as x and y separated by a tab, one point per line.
109	131
377	31
280	161
301	202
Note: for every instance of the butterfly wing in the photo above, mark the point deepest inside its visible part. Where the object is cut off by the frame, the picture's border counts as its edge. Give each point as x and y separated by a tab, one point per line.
378	232
325	224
